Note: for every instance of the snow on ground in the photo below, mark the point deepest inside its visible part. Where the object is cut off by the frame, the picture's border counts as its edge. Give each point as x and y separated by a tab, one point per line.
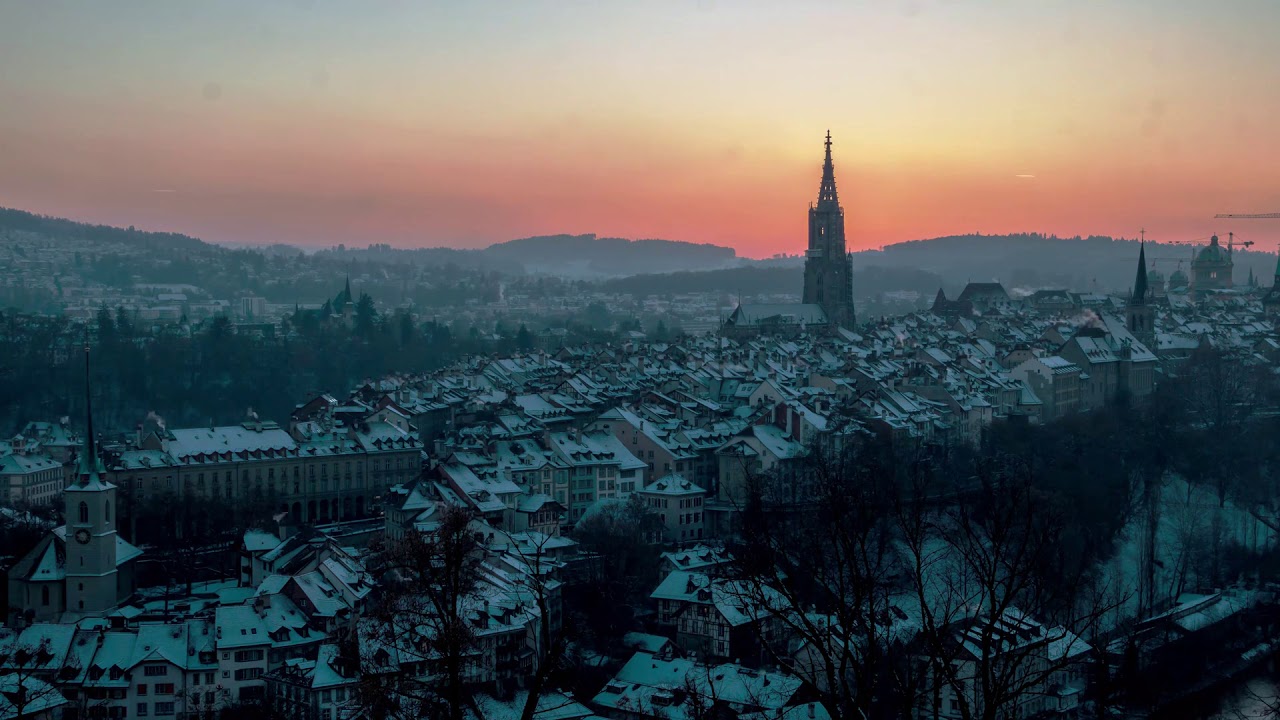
1188	521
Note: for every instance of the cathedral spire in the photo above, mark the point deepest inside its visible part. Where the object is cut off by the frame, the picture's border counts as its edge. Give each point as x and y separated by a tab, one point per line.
827	198
1140	280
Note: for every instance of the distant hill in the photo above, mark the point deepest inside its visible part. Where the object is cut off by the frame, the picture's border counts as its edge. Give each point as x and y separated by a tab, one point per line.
1025	261
573	256
1032	260
591	256
1028	260
579	257
21	221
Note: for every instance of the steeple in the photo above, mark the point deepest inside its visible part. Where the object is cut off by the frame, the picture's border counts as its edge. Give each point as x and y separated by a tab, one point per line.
90	466
1140	281
1140	318
827	198
828	271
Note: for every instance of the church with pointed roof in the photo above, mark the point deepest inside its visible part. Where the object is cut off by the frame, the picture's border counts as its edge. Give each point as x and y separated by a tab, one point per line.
827	301
82	567
1139	312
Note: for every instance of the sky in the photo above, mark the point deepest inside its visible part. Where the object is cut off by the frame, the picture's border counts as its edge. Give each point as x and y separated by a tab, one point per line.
316	122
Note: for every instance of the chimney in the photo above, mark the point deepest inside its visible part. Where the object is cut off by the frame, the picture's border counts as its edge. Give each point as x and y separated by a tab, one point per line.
285	527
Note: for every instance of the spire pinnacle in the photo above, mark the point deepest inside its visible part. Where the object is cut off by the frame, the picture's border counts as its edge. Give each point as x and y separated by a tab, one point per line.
1140	280
827	198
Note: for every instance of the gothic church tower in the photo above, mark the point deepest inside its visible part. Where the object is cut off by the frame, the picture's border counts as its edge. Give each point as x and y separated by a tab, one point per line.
1139	314
92	582
828	272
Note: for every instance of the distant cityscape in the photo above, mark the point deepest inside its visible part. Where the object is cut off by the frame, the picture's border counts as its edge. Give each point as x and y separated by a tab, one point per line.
603	506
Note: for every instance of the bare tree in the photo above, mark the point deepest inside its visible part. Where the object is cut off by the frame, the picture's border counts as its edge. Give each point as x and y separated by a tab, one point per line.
32	671
820	560
993	602
206	703
551	640
416	646
623	561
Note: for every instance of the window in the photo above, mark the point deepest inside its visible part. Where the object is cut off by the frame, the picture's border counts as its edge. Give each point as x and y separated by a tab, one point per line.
326	696
164	708
106	511
142	688
44	595
248	673
142	710
84	512
156	670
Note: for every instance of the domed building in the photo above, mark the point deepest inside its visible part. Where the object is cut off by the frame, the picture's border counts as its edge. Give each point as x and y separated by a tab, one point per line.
1157	289
1178	281
1211	269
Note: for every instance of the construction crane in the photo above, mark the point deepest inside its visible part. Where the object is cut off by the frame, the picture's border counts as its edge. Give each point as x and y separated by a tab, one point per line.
1248	216
1231	241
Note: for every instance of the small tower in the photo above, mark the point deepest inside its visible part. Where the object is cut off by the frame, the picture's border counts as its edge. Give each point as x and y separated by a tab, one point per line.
92	581
1139	313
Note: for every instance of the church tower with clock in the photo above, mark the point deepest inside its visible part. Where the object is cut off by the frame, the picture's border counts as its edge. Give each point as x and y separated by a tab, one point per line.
83	567
91	562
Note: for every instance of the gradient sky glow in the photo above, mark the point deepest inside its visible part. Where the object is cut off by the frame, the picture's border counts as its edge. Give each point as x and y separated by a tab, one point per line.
463	124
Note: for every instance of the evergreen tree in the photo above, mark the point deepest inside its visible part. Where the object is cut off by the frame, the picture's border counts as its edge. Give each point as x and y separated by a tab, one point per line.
524	338
366	316
123	325
407	331
106	325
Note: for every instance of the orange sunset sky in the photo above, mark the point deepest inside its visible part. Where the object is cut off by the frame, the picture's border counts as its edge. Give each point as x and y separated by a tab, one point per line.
464	124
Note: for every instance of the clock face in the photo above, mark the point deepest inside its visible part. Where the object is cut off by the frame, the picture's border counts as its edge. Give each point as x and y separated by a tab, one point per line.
82	536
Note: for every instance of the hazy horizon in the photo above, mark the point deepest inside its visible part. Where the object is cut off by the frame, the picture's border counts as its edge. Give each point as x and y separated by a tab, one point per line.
423	125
